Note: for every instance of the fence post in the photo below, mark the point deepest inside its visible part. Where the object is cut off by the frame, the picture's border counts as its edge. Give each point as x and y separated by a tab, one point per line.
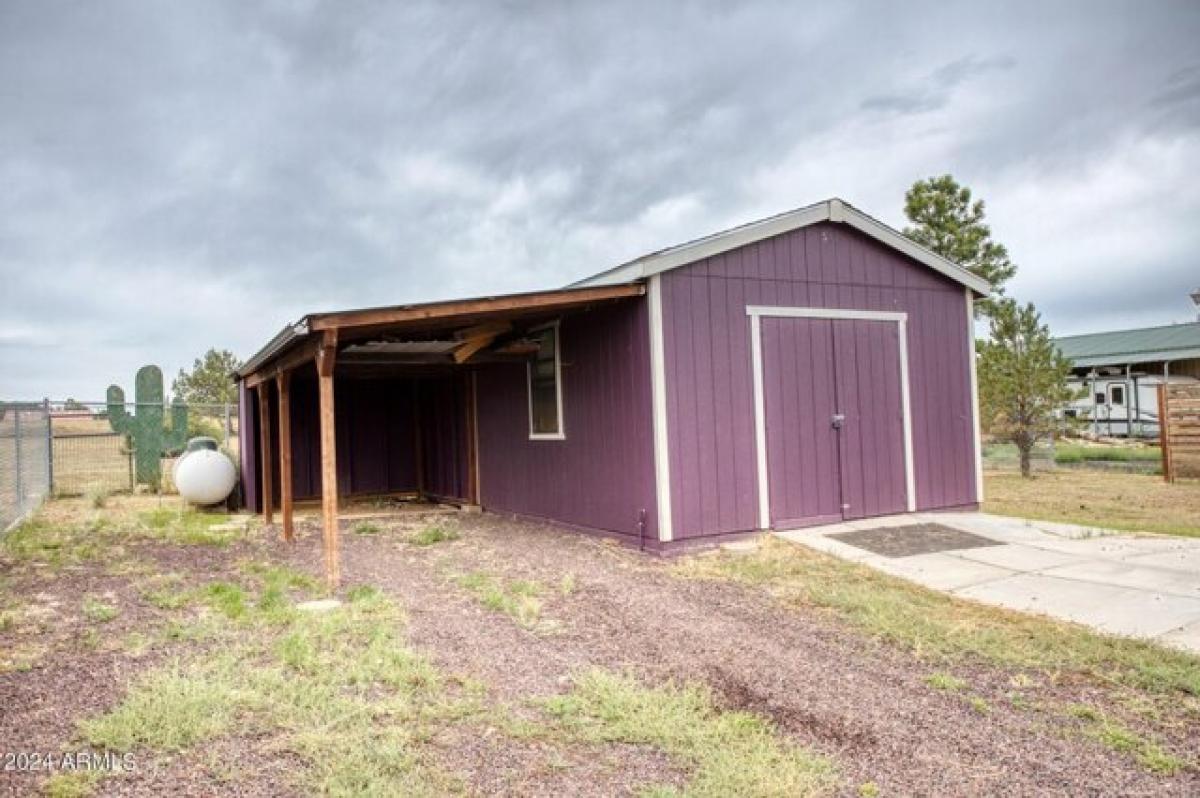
49	447
17	460
1164	439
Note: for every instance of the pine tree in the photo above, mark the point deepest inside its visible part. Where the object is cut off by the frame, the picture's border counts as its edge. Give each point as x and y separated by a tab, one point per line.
1022	379
946	220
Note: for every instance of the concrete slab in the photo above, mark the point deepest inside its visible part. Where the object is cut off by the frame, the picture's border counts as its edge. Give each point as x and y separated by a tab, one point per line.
942	571
1136	585
1119	610
1183	558
1186	637
1020	558
1126	573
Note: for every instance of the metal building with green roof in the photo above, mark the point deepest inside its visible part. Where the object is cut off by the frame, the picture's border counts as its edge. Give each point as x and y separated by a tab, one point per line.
1122	370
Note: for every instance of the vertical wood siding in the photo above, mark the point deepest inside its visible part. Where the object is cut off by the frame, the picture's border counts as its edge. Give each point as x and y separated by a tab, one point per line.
443	434
602	475
375	439
709	393
247	445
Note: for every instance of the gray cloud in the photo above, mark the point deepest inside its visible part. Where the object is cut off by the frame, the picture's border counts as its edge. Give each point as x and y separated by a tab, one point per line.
178	176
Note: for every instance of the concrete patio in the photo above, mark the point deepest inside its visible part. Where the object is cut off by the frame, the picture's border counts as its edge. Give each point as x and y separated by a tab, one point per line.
1139	586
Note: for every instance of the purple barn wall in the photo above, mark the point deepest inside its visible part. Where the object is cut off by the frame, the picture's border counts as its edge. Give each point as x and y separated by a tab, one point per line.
247	446
708	371
444	434
602	475
375	435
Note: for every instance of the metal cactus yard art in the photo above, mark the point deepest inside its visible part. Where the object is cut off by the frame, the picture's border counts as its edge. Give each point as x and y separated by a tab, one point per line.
145	427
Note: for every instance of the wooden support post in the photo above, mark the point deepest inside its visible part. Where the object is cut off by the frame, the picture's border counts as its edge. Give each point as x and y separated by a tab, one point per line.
329	490
283	382
1164	435
472	440
264	445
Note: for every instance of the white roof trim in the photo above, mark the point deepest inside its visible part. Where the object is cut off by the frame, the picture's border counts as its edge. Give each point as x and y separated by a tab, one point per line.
832	210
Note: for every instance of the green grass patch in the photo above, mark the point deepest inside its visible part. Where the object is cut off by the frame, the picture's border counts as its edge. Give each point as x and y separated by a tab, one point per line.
943	628
433	534
187	527
226	598
1117	737
944	681
1069	453
104	536
517	598
366	528
72	784
341	690
727	752
57	545
170	709
98	611
165	591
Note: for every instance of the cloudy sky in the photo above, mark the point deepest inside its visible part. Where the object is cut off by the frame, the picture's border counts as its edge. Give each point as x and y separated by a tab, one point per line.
175	176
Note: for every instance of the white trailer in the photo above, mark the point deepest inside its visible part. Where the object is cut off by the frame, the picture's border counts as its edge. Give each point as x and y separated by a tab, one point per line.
1122	404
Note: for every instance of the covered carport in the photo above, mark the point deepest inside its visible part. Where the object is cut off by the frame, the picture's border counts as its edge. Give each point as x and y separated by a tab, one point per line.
383	401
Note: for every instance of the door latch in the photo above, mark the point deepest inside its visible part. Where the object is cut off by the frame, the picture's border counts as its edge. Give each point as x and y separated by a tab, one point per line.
838	420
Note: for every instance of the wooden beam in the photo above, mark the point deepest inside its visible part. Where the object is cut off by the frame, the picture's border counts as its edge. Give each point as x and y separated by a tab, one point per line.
283	388
491	328
470	347
478	337
329	488
326	353
543	301
264	445
291	360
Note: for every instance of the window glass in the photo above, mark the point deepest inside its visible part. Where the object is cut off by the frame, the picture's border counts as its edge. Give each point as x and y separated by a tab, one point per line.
543	386
1116	394
1100	398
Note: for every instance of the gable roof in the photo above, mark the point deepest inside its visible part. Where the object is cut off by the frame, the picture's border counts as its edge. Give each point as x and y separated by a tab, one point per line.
1144	345
830	210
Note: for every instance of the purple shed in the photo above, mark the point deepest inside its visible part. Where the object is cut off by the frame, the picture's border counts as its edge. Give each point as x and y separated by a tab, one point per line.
807	368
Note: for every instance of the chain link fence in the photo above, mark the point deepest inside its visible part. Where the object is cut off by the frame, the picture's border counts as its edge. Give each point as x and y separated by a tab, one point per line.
24	459
71	448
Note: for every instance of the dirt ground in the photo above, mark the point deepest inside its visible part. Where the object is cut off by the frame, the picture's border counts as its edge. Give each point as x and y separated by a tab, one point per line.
865	704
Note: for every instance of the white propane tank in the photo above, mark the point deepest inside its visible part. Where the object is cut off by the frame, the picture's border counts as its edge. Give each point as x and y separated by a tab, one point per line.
204	475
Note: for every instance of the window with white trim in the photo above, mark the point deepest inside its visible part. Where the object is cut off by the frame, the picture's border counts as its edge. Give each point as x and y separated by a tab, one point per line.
544	380
1116	394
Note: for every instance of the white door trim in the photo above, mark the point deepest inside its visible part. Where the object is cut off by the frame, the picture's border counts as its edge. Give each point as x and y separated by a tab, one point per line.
756	313
977	438
658	402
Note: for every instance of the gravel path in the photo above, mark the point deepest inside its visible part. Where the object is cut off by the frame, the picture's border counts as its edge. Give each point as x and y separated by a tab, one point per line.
863	703
866	704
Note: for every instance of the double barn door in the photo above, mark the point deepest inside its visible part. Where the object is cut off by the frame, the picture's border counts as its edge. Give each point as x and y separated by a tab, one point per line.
833	407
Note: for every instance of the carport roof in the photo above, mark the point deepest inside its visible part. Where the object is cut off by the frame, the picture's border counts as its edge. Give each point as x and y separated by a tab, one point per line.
425	316
1144	345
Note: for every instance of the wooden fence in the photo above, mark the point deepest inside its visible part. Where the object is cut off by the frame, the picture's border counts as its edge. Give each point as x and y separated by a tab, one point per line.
1179	430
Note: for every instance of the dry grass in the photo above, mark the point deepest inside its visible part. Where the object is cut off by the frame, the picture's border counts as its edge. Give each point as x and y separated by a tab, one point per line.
943	628
1130	502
